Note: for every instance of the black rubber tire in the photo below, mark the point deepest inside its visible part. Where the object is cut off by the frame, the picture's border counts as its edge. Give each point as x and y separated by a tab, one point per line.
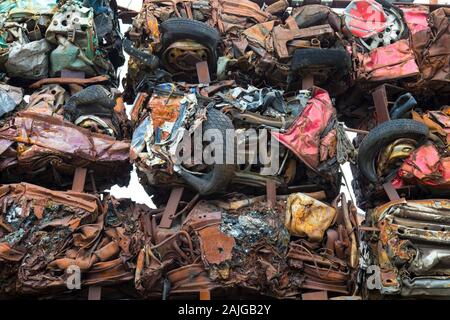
176	29
303	59
221	174
380	137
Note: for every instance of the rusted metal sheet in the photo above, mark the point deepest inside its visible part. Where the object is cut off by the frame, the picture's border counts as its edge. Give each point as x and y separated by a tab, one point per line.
216	246
306	216
394	61
409	250
43	139
303	136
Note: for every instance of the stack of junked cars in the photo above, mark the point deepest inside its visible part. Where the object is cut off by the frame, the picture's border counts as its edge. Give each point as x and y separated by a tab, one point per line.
236	117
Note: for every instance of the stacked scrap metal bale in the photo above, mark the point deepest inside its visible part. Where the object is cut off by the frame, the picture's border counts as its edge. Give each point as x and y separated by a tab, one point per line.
61	112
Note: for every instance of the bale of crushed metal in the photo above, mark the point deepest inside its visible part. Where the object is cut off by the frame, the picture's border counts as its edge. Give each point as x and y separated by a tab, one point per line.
53	241
410	250
244	244
44	139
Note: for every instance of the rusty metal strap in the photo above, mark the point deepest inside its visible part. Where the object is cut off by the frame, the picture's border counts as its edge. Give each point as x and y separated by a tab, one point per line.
171	208
381	104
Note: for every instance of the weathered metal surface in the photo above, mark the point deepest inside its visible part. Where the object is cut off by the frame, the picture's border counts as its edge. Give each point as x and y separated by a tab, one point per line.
45	232
306	216
411	247
303	136
394	61
44	140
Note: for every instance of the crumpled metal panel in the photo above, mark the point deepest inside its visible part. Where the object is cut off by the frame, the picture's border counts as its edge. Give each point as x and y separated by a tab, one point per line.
29	60
416	17
44	232
303	137
394	61
306	216
432	49
426	166
411	250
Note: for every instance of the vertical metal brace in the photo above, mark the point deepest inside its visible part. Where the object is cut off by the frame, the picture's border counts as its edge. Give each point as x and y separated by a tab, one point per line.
171	208
79	179
381	107
381	104
271	193
203	72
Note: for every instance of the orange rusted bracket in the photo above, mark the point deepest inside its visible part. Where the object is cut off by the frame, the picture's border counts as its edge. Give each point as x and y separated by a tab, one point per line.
78	81
205	295
271	193
203	72
381	104
79	179
317	295
171	208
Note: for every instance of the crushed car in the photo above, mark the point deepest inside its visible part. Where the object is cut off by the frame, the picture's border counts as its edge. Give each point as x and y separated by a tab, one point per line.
297	246
410	249
46	236
61	107
239	40
256	134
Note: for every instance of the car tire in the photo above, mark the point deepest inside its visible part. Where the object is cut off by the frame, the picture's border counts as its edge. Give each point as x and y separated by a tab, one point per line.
218	178
177	29
314	57
380	137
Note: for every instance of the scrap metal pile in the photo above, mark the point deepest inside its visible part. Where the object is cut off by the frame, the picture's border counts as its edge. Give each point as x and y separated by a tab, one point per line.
237	123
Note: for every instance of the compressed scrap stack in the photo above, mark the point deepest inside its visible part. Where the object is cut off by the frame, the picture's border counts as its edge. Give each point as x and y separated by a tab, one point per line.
61	113
237	76
286	78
